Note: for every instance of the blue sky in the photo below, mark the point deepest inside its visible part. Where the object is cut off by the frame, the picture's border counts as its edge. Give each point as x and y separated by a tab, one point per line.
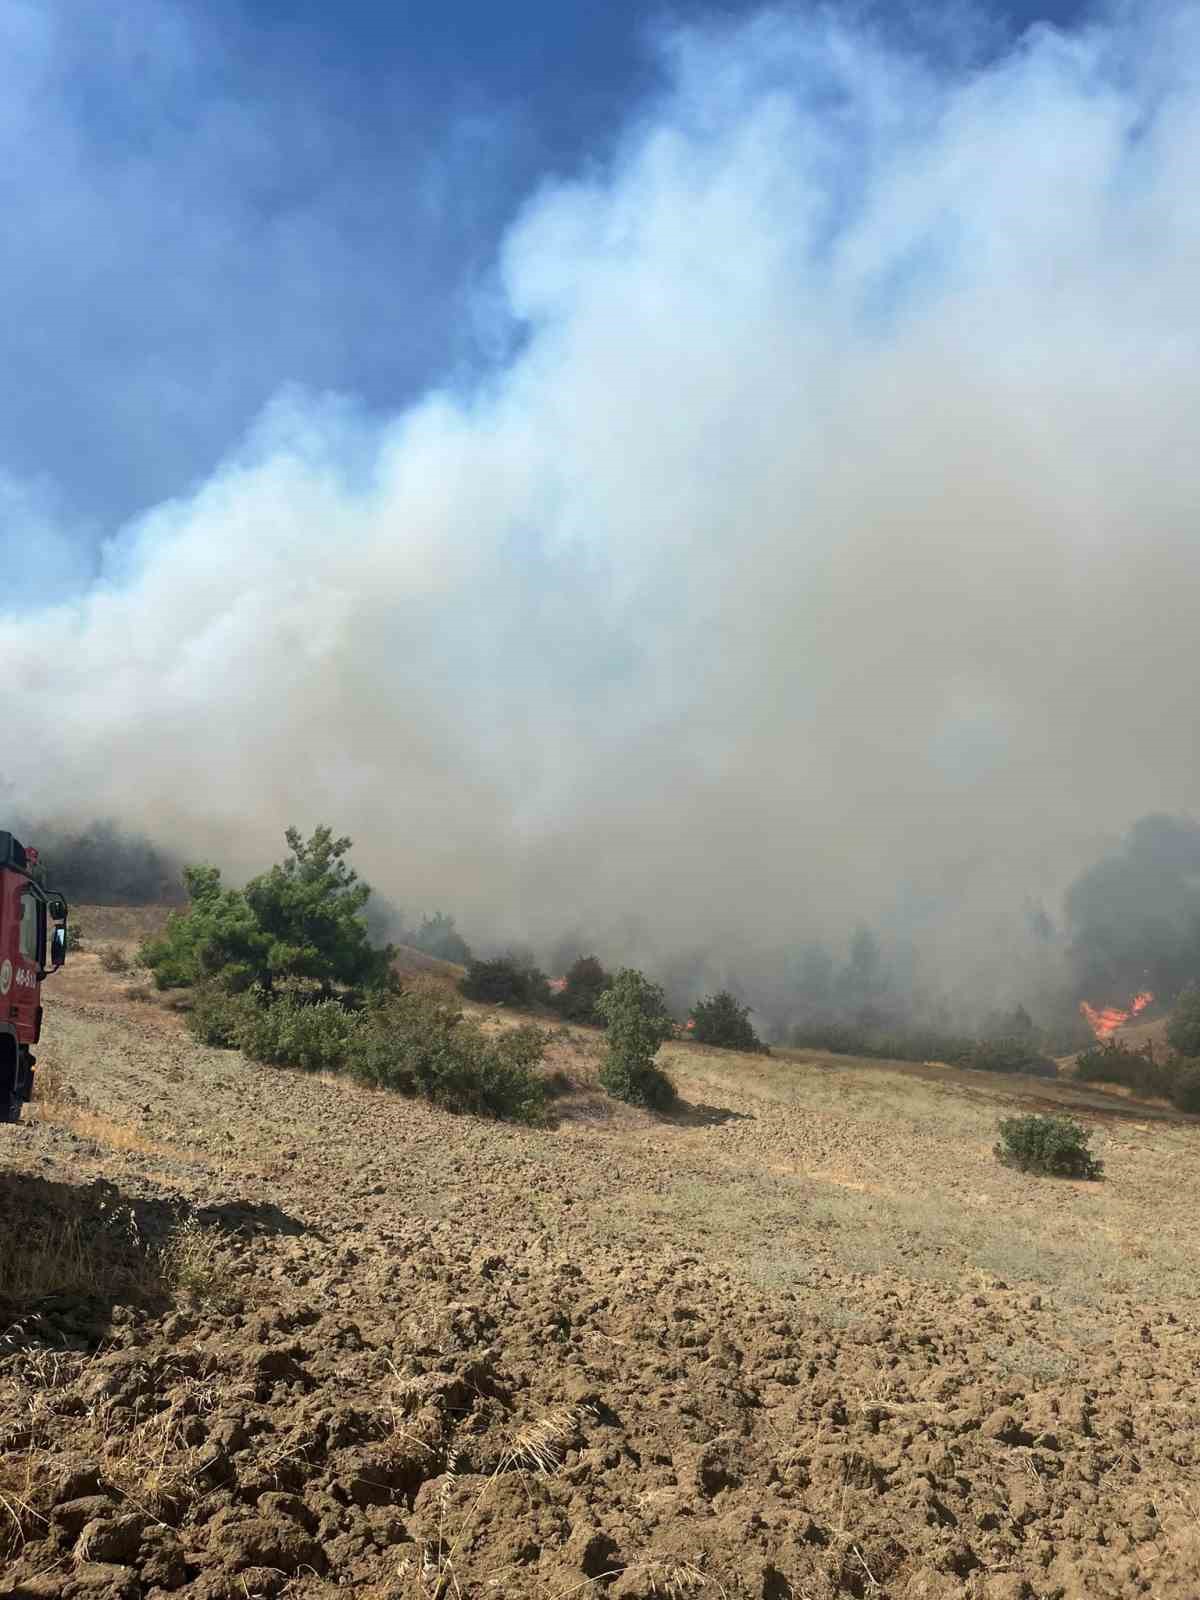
207	203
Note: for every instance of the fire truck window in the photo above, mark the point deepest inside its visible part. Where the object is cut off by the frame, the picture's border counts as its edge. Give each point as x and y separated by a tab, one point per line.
29	927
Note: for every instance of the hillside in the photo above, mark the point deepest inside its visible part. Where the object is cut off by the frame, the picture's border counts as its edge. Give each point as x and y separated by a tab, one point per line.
270	1334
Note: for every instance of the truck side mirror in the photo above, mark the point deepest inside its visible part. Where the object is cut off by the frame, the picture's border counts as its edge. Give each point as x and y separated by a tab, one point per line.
58	947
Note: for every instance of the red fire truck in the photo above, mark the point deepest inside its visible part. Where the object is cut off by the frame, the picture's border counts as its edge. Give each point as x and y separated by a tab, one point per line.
33	944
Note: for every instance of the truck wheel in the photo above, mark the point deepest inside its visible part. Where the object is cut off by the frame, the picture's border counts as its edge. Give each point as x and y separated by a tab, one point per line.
10	1108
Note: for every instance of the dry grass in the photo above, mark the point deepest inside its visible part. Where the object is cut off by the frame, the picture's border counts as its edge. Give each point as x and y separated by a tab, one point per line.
148	1463
103	1133
58	1254
115	958
190	1262
49	1084
864	1170
438	1573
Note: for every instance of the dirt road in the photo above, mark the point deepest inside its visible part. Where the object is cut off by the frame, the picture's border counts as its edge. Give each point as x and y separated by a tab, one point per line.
806	1339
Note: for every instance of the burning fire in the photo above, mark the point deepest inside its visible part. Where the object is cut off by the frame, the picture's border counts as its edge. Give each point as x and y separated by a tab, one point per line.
1105	1022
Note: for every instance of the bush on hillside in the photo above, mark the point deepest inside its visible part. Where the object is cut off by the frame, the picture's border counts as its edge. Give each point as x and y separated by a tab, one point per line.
889	1044
413	1044
300	922
585	981
645	1085
437	936
1185	1089
719	1019
218	1018
1054	1146
507	980
1009	1055
1183	1030
635	1014
1113	1061
422	1046
295	1031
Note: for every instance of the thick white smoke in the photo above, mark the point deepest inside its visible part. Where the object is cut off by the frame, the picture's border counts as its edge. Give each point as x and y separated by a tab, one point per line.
829	547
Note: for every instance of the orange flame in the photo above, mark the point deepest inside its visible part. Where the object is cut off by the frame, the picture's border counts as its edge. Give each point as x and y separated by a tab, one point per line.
1105	1021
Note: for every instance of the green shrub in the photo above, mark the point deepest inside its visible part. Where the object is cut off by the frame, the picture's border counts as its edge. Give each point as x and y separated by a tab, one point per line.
219	1018
1185	1089
635	1012
887	1044
1115	1062
1183	1030
1014	1054
719	1019
413	1044
1055	1146
586	980
418	1044
508	980
645	1085
294	1032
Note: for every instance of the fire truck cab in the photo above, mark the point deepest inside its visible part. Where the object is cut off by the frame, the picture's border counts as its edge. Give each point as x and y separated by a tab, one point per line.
33	944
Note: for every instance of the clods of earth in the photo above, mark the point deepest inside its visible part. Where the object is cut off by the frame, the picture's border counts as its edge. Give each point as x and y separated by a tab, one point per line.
286	1337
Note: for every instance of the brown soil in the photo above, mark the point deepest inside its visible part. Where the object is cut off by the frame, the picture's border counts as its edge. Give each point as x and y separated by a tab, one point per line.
273	1334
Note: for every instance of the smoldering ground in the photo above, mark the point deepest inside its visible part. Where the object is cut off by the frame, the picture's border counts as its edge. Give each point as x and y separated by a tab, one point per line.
825	551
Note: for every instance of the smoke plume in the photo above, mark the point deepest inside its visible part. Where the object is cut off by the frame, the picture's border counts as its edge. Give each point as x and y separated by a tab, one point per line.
827	549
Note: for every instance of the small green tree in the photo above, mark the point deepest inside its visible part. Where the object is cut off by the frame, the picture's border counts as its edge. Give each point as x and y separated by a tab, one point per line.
310	911
303	920
1054	1146
635	1012
1183	1030
719	1019
217	939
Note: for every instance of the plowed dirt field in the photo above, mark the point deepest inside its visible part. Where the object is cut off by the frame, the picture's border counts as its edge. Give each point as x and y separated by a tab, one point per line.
269	1334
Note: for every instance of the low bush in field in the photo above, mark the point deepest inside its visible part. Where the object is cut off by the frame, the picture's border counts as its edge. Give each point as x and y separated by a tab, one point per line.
1053	1146
1014	1054
889	1044
413	1044
998	1054
641	1084
417	1044
507	980
1116	1062
291	1032
1185	1089
217	1017
1176	1079
114	959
